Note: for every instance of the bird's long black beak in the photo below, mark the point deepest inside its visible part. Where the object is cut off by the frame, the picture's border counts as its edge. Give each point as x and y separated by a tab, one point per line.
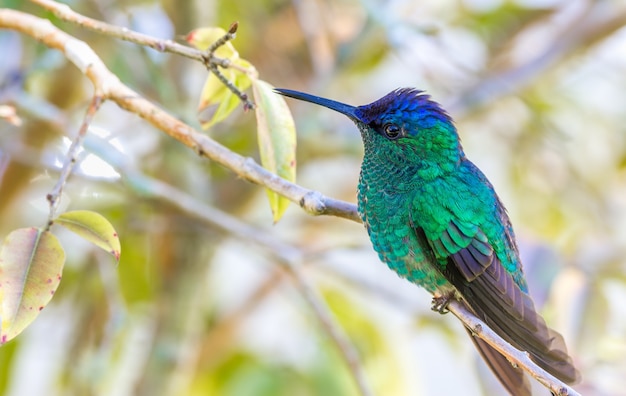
350	111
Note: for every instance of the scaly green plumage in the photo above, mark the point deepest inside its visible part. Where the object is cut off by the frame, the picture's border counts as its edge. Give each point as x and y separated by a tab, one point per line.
435	219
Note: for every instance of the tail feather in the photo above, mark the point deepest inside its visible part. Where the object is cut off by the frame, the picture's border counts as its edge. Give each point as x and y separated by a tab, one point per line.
510	312
512	378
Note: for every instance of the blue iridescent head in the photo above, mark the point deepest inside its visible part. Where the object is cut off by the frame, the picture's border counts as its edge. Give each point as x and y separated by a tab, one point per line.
404	127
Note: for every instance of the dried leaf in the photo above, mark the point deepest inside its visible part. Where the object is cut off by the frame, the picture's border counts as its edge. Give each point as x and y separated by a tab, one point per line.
31	264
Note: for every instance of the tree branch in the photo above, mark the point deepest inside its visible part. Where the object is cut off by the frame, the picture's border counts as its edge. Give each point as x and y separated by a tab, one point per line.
208	58
521	359
65	13
475	325
109	87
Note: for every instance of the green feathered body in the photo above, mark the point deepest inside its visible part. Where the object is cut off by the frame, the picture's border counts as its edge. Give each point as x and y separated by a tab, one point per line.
395	201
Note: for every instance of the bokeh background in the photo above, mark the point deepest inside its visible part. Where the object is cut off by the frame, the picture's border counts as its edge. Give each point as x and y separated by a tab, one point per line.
538	92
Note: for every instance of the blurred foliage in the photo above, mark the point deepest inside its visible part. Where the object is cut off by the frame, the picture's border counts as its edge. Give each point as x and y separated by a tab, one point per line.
190	310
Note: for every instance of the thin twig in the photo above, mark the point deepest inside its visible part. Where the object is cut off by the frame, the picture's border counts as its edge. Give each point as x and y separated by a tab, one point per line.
230	35
217	218
208	58
65	13
54	197
247	103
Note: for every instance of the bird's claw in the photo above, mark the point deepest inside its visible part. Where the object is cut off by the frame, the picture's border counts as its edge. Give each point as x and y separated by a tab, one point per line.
440	303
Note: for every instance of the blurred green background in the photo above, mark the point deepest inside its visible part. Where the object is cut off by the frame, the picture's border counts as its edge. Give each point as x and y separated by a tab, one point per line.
538	92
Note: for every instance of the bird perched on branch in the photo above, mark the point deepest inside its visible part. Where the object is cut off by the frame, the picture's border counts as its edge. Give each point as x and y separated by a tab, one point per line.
435	219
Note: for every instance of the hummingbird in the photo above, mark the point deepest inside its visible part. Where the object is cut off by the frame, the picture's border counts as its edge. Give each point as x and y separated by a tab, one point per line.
434	218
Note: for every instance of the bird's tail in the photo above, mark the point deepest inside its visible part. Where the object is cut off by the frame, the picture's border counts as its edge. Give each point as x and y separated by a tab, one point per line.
512	378
495	298
517	322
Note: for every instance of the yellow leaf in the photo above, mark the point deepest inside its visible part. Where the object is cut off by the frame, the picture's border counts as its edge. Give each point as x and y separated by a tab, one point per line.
277	140
213	94
31	264
216	100
202	38
93	227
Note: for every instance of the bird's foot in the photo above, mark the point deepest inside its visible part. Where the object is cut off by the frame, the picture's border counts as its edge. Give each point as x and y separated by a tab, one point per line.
440	302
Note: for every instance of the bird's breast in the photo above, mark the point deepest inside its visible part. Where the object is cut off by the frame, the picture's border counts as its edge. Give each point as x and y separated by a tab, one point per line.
385	211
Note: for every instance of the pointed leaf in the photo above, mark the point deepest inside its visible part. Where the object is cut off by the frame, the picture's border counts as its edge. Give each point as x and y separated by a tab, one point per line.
93	227
216	100
31	264
213	94
231	101
277	140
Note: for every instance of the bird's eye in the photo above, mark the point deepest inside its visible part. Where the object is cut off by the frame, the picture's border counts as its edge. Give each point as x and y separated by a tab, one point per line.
392	131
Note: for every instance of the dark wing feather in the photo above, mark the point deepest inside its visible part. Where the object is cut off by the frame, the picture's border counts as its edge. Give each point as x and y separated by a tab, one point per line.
512	378
491	292
473	259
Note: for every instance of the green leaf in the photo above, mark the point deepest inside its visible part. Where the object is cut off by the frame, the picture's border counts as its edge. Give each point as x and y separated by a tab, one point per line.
93	227
31	264
277	140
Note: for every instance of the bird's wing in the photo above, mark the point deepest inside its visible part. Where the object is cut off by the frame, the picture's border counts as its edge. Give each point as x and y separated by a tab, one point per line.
471	265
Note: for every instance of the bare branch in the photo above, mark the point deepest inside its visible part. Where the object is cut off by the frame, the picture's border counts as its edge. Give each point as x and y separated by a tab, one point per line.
111	88
230	35
521	359
247	103
475	325
65	13
208	58
54	197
